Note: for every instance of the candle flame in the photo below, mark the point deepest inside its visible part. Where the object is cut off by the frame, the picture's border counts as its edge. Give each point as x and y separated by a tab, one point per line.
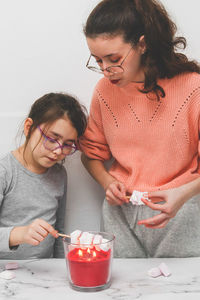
88	250
94	254
80	253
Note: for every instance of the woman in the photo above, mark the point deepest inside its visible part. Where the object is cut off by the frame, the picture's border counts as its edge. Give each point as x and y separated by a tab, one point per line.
145	114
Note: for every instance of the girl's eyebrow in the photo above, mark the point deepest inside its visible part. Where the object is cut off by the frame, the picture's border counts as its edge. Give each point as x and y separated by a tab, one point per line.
60	136
56	134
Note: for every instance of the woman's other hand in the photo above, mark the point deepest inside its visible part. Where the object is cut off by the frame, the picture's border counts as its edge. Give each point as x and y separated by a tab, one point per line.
172	200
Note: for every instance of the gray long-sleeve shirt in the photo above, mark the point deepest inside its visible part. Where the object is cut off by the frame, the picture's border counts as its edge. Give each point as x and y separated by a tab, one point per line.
26	196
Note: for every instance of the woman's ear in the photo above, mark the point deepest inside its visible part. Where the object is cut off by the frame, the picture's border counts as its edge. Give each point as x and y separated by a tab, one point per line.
27	124
142	44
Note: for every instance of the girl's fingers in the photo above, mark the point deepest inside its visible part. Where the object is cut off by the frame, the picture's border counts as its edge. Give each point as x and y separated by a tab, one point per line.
34	242
37	236
41	231
44	228
49	228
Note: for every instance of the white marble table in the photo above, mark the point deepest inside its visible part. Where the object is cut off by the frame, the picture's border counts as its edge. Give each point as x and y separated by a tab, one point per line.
46	279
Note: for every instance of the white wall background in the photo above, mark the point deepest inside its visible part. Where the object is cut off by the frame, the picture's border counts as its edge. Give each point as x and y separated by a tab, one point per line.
43	49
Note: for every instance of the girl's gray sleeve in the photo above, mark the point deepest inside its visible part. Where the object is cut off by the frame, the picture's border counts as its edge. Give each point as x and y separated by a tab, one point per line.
60	220
4	231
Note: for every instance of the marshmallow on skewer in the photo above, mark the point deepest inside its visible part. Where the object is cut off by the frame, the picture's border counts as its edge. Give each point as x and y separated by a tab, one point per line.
86	238
137	196
75	235
105	245
97	239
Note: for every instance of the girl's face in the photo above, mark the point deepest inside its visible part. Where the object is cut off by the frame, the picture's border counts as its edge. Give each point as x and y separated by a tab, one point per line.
111	51
38	158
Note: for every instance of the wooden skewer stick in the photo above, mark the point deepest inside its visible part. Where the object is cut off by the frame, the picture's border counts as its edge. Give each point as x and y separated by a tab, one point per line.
64	235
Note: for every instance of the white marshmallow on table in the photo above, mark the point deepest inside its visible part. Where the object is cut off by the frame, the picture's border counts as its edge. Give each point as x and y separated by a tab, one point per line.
154	272
75	236
7	275
164	269
137	196
11	266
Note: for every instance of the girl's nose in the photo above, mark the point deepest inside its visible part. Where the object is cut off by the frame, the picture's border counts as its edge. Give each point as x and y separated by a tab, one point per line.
58	151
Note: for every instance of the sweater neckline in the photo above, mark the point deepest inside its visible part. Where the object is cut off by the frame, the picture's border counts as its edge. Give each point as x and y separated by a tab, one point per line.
30	173
133	88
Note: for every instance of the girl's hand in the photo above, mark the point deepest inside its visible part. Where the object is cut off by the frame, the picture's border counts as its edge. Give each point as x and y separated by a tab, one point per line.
173	200
116	193
32	234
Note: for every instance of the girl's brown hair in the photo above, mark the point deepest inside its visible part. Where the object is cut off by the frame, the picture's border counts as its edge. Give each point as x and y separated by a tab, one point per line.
54	106
135	18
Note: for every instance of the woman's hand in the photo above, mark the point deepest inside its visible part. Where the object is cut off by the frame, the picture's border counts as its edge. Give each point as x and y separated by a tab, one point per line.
32	234
116	193
173	200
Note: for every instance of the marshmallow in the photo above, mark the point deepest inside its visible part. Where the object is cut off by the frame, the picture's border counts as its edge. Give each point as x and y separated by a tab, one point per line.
75	236
164	269
137	196
86	238
105	245
97	239
154	272
7	275
11	266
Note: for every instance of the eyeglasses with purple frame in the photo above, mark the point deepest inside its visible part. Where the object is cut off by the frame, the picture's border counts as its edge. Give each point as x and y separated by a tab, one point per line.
51	144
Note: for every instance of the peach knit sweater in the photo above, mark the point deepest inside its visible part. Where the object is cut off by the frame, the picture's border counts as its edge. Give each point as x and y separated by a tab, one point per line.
154	144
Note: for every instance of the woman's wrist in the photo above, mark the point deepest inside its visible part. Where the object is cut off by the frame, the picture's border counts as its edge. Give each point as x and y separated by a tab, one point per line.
107	181
191	189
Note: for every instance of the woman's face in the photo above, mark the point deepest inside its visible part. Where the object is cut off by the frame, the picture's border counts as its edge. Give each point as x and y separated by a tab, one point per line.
111	51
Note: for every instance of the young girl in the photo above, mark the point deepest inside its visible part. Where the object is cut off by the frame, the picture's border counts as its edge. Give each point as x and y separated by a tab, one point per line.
145	114
33	182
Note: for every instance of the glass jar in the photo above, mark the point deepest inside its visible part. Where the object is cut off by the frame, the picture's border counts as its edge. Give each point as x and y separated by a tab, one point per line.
89	265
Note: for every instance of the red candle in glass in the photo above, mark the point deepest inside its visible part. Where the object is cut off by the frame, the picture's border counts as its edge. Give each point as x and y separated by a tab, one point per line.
88	266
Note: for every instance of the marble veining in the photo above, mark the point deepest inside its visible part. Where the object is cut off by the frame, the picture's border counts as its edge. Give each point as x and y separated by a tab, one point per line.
47	279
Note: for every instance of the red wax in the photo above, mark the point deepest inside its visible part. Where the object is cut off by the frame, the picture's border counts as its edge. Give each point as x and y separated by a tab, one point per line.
89	267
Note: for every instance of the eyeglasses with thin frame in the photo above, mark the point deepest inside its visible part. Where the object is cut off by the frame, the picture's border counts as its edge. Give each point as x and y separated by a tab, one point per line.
52	145
111	69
